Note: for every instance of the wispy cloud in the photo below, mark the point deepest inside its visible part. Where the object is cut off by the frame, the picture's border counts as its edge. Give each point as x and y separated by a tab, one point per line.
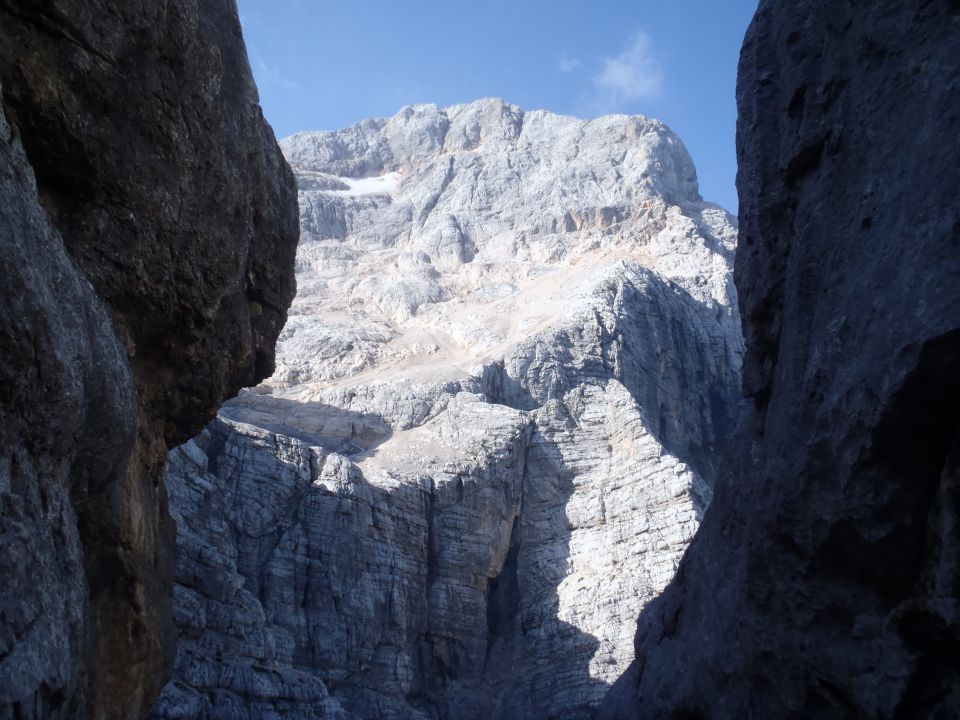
268	75
249	20
634	74
568	65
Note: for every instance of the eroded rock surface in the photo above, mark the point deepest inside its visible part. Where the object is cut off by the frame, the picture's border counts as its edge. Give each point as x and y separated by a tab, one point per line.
512	359
148	225
825	579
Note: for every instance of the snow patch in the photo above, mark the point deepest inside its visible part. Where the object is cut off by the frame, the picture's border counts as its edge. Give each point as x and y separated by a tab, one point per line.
383	185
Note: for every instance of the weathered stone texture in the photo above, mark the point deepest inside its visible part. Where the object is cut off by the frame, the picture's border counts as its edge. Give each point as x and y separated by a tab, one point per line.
510	364
148	230
825	579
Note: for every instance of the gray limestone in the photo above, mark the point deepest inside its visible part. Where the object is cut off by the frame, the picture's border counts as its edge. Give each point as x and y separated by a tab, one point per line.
510	364
825	579
147	234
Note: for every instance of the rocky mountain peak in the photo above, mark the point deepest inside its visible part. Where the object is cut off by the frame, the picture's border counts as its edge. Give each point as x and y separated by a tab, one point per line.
511	361
447	223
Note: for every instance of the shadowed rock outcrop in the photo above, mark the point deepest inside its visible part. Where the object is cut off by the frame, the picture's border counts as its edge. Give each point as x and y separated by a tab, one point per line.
148	225
825	579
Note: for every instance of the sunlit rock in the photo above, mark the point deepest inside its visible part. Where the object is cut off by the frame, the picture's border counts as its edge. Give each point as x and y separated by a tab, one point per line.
492	430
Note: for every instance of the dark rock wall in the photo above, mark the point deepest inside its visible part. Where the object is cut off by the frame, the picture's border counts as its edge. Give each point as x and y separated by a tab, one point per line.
825	580
148	225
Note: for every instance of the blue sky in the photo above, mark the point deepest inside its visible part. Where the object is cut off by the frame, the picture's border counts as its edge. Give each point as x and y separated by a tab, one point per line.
323	65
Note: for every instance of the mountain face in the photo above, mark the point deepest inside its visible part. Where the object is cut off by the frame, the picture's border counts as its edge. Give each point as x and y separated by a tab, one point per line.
147	232
825	580
512	361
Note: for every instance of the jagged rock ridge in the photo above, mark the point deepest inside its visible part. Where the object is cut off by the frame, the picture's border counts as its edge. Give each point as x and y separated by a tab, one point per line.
148	229
824	581
511	361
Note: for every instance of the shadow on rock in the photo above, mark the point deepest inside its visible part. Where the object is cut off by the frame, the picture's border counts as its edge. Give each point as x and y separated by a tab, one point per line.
305	590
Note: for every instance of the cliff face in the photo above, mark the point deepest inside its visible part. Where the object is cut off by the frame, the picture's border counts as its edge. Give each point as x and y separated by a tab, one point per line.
148	229
511	361
825	579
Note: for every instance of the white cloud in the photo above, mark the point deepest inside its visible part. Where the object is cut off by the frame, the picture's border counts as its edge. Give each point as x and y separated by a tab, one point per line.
634	74
568	65
270	76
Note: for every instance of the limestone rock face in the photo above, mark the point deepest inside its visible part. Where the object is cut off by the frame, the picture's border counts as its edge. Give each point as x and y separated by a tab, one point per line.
825	579
148	231
512	359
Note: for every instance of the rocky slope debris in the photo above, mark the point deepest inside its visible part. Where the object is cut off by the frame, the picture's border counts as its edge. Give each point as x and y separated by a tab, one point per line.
511	362
824	581
148	224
